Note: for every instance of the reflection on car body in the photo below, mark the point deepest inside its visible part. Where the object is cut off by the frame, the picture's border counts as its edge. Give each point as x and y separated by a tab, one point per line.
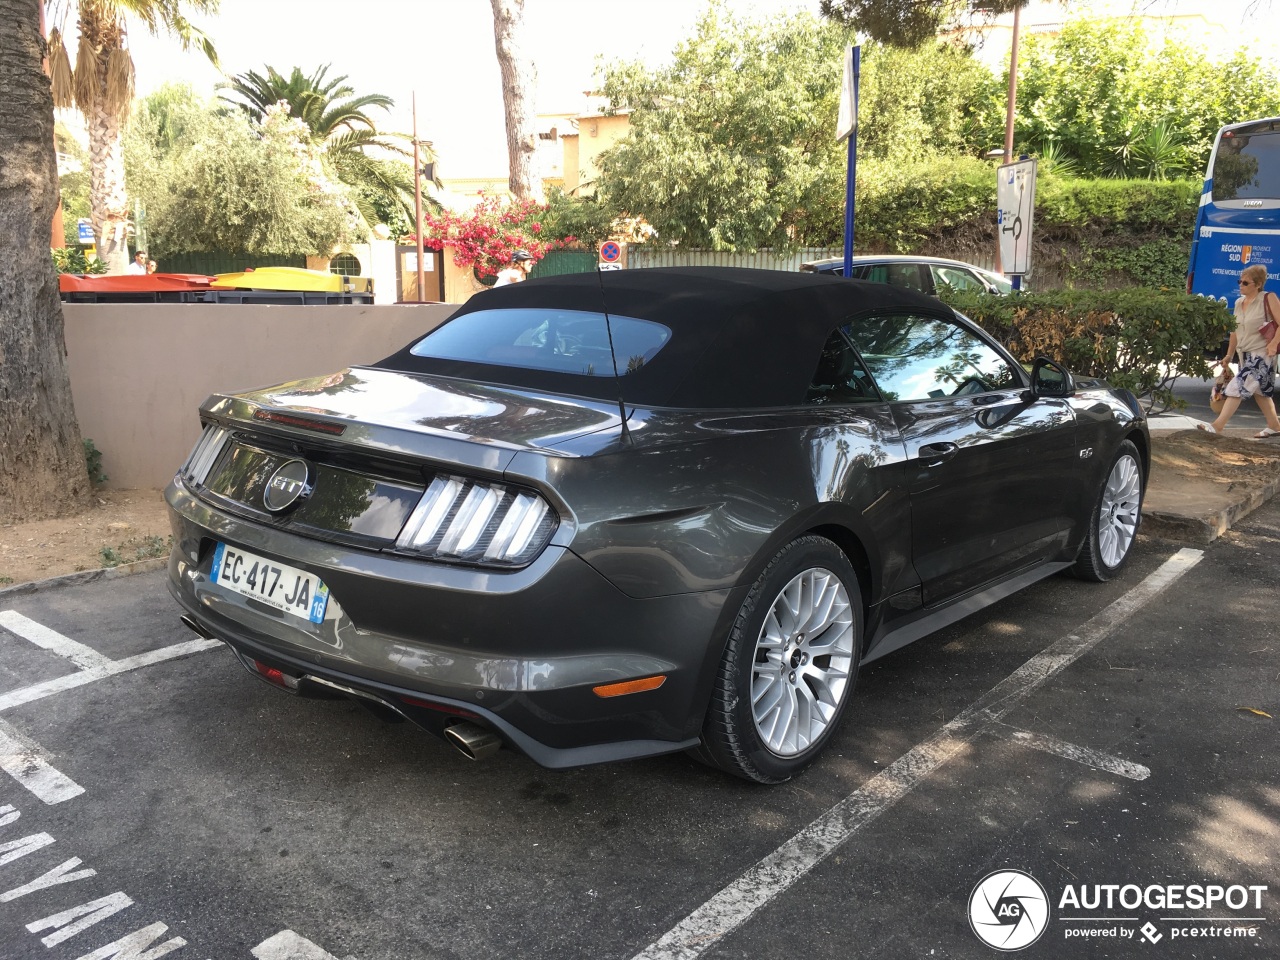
689	542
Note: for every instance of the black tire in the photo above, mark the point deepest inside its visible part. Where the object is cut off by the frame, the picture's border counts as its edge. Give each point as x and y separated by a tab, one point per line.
1114	519
810	667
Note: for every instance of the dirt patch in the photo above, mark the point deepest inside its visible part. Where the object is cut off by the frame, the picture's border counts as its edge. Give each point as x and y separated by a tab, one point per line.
1192	473
121	526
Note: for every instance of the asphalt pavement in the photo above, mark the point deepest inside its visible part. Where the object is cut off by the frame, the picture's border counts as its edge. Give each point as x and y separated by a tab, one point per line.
1114	743
1247	420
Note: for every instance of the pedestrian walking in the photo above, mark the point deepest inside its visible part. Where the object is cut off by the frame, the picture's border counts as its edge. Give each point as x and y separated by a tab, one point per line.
139	265
1255	339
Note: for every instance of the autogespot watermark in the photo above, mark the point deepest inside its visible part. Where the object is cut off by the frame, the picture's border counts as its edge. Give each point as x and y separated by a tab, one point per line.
1009	910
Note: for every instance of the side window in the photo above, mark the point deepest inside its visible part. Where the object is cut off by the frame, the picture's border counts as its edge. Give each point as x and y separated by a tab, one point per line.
956	279
840	377
914	357
875	272
907	275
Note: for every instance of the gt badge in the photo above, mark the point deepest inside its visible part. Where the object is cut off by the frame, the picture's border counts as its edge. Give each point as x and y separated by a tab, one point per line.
288	485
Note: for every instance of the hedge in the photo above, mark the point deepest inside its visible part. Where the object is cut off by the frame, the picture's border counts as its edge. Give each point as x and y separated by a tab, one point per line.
1095	233
1139	338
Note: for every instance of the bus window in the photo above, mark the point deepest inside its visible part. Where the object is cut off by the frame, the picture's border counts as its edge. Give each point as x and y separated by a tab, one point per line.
1247	167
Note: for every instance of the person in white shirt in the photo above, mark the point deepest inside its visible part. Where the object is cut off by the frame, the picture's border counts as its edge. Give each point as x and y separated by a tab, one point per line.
517	270
139	265
1257	348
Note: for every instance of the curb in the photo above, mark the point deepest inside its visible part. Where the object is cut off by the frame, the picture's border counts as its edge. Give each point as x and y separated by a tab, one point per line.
84	576
1204	530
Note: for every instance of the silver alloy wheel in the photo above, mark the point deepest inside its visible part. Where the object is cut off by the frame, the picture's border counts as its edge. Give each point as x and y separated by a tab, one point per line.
1118	512
803	661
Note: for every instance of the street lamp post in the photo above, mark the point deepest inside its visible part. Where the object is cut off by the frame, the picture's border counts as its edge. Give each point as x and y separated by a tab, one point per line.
417	203
1009	109
1013	87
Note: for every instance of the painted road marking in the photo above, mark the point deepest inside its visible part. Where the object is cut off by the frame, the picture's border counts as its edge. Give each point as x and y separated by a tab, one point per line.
1060	748
24	760
736	903
111	668
287	945
86	658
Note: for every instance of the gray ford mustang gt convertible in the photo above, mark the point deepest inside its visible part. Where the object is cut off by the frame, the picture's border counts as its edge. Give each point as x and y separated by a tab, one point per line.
614	515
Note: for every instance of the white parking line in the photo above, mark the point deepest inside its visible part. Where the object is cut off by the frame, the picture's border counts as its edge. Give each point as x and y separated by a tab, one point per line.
1071	751
86	658
110	668
23	760
287	945
735	904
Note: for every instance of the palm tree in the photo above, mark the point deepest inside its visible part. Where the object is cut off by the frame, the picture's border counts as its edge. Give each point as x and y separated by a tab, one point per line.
319	104
340	125
101	87
42	465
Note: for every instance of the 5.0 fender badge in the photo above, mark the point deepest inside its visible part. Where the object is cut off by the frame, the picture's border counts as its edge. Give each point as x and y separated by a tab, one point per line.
290	484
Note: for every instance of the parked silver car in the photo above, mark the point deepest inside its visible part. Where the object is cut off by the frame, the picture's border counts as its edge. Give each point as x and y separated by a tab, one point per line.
925	274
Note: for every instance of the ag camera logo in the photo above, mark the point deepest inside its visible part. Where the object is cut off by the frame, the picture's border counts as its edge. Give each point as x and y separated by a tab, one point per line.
1008	910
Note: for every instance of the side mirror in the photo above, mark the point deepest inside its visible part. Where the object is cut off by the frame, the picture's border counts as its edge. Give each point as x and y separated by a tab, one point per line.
1051	379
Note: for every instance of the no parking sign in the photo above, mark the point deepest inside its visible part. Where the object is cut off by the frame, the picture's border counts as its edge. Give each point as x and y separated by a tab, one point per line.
613	255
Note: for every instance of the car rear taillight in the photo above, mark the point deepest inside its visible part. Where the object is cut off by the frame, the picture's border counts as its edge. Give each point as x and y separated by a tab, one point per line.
472	521
205	453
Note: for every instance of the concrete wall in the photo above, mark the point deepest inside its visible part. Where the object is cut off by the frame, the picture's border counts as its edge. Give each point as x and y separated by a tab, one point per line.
139	372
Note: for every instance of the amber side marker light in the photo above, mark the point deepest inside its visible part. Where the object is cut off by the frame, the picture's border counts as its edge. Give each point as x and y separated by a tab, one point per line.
629	686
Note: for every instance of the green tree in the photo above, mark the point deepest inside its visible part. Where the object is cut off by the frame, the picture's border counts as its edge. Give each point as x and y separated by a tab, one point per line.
73	185
732	146
910	23
229	185
339	122
42	466
1107	98
101	87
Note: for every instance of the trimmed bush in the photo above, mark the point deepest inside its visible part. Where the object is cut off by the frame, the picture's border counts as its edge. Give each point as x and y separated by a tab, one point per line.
1140	339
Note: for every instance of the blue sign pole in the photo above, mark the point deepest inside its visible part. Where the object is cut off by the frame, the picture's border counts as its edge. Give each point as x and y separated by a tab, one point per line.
851	170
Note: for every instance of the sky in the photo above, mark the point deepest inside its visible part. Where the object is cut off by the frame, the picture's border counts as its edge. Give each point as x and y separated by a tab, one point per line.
443	50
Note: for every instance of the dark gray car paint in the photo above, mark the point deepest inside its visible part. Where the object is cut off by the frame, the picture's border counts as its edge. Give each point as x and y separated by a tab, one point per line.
663	530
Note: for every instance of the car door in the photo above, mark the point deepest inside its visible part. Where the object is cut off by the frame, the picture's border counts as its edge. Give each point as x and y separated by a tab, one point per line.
993	473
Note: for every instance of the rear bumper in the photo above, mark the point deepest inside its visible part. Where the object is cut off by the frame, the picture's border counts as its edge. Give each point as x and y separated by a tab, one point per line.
519	650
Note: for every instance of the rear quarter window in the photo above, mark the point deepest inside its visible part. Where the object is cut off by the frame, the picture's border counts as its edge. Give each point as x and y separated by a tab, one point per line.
562	341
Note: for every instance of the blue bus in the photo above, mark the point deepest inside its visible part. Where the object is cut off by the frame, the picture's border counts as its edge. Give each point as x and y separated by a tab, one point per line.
1239	219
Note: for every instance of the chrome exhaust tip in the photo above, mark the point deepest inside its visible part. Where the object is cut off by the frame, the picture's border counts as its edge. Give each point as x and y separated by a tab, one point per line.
472	741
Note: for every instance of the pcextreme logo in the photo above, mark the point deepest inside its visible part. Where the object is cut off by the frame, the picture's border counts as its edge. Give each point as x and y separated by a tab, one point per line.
1009	910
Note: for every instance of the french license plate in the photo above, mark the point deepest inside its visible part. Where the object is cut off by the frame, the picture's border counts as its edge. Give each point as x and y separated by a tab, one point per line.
275	584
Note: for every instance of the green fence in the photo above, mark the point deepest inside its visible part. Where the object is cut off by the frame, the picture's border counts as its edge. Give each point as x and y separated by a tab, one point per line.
565	261
211	264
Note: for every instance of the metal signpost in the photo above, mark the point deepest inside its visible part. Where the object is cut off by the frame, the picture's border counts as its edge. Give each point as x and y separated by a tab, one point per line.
847	129
1016	203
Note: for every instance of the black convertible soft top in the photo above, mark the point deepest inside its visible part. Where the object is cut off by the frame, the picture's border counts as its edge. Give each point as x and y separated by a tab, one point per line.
740	338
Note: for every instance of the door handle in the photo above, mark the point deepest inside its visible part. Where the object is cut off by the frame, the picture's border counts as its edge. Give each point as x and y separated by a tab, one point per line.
936	453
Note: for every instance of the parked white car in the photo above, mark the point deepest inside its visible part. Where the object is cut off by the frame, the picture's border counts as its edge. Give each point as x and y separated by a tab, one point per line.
925	274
